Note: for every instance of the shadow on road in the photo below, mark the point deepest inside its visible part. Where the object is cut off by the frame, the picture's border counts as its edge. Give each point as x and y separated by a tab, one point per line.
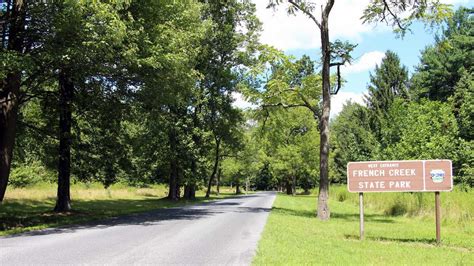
190	212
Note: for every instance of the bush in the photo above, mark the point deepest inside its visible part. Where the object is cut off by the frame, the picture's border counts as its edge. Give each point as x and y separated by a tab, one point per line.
28	175
342	195
396	208
466	177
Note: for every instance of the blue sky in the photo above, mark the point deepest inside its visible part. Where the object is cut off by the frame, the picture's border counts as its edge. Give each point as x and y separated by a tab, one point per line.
408	49
297	35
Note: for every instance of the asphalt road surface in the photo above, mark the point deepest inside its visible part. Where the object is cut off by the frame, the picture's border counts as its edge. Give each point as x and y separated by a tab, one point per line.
223	232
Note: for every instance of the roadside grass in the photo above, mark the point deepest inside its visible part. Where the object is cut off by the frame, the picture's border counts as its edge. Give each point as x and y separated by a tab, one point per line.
293	236
456	206
27	209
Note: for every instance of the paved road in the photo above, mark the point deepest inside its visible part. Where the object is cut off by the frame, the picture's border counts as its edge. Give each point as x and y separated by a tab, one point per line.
223	232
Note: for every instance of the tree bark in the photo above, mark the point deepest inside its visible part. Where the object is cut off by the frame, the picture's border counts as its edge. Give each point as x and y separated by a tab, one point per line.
219	172
293	183
66	92
323	212
289	189
190	187
173	180
178	180
190	191
8	117
214	169
237	188
9	95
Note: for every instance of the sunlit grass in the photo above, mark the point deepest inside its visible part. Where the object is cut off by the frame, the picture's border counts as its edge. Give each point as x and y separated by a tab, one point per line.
293	236
26	209
456	206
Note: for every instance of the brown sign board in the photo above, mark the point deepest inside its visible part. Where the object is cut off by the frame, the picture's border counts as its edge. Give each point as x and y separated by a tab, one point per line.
400	176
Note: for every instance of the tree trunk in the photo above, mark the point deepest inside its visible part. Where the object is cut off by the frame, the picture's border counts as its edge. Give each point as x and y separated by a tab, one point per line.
190	192
294	185
178	180
237	188
66	92
9	95
323	207
173	180
214	169
8	117
289	189
219	181
190	187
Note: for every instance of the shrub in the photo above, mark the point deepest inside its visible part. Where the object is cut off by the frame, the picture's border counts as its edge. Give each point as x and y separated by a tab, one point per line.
342	195
28	175
398	207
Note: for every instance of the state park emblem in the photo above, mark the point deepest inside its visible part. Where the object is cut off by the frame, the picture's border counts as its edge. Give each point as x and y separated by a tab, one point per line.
437	175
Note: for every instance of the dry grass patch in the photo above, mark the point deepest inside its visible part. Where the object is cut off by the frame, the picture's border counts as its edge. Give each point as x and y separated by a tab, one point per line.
26	209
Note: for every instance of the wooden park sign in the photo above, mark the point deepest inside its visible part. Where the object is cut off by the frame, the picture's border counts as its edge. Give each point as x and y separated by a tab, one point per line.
400	176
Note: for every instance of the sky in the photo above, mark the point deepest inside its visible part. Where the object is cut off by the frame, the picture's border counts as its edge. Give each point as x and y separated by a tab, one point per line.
298	35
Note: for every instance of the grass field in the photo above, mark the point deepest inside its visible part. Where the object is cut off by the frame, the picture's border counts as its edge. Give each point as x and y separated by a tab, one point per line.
293	236
30	208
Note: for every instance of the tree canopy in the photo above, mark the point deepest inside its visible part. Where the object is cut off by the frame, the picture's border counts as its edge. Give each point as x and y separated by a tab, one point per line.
142	92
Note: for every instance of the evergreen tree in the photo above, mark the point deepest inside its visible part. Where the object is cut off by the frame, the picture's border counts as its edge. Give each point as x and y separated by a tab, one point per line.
443	64
388	83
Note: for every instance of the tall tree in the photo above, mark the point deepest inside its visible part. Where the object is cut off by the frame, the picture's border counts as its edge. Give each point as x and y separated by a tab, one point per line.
388	82
168	38
292	136
84	43
228	45
292	84
13	21
379	10
442	64
322	23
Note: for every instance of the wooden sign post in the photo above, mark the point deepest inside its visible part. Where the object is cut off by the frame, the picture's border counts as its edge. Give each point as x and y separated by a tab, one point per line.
400	176
438	218
361	215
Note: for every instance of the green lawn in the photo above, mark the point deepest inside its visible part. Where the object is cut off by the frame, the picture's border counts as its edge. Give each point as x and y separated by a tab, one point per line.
293	236
29	209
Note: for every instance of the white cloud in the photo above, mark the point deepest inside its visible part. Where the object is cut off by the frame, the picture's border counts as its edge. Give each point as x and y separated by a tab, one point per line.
287	32
240	102
366	62
338	101
299	32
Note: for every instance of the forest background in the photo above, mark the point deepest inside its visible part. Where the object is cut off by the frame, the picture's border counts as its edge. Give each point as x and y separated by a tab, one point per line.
140	93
